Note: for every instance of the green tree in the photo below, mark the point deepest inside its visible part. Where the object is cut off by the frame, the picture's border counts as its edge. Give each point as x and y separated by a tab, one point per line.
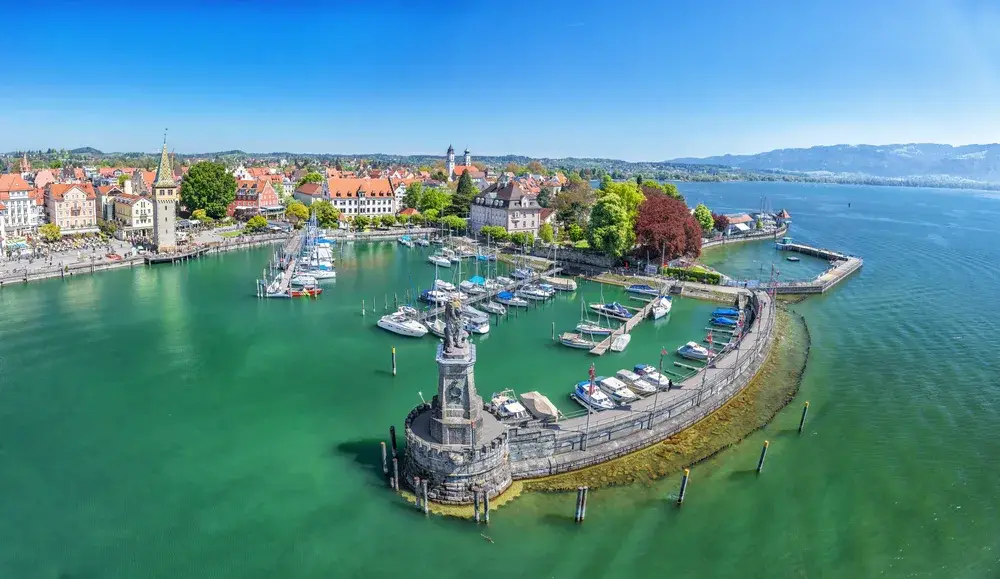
545	197
361	222
494	233
523	238
402	219
326	214
629	194
310	177
759	224
545	232
605	181
434	198
387	220
431	215
439	176
704	217
573	203
108	228
255	224
50	232
576	233
297	212
414	192
462	198
122	178
210	187
55	165
536	168
417	219
453	222
609	227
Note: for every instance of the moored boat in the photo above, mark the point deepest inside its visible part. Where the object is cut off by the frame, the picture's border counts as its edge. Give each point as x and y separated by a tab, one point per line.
505	405
494	308
522	273
649	374
476	326
303	280
505	281
434	296
693	351
643	289
436	327
619	343
613	310
731	312
635	382
593	329
561	283
662	306
401	323
423	242
509	299
532	293
723	321
474	314
439	260
440	284
617	390
574	340
305	292
591	396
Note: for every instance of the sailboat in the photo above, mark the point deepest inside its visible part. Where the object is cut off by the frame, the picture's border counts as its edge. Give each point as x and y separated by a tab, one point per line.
587	327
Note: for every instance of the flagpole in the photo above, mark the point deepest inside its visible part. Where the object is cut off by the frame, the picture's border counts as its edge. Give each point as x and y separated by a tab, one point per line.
708	362
590	410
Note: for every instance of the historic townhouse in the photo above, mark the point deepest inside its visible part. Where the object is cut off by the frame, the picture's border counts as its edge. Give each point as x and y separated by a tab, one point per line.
21	214
134	213
370	197
255	197
72	206
505	204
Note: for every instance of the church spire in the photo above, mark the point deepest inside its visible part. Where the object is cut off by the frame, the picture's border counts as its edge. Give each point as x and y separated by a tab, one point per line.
165	172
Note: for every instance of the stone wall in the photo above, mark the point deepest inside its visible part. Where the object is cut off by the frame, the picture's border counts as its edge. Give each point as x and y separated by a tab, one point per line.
575	258
453	474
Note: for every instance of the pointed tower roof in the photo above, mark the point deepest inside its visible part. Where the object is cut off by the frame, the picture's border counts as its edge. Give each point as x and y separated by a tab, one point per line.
164	173
451	149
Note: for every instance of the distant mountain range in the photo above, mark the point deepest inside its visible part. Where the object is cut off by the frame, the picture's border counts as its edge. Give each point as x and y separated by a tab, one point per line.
973	162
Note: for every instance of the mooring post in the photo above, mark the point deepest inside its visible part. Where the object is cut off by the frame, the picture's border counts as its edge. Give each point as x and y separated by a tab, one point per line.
385	302
579	503
763	453
416	491
802	421
684	486
362	308
373	304
583	507
392	437
427	509
475	504
395	301
395	474
486	505
553	331
394	360
385	463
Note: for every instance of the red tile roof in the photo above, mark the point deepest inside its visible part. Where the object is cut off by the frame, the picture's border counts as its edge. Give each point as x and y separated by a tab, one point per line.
351	187
59	190
459	169
409	211
311	189
109	189
742	218
12	182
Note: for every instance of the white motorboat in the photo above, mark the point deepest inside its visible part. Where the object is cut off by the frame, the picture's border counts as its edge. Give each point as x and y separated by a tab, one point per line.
662	306
576	341
561	283
401	323
493	285
591	396
439	260
304	280
423	242
619	343
532	293
693	351
435	296
436	327
472	288
522	273
546	288
617	390
321	274
503	280
474	314
649	374
636	382
440	284
494	308
593	329
510	300
476	326
505	405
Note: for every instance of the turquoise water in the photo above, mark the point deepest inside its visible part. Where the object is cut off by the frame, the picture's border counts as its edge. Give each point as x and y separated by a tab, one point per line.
165	423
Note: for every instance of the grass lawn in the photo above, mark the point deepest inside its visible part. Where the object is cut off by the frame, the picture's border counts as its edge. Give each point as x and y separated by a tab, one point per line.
582	244
231	233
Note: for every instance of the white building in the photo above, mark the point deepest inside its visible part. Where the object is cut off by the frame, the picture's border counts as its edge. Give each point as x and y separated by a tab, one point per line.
505	204
371	197
23	210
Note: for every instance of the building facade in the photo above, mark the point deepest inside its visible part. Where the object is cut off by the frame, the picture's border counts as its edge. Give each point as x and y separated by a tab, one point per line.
505	204
308	193
164	206
255	197
134	214
22	213
369	197
72	206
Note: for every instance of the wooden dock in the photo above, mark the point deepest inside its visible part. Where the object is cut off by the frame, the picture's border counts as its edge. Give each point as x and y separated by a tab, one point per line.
640	315
173	257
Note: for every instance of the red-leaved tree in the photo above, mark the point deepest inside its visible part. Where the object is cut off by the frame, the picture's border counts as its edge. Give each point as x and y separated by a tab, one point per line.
665	228
721	221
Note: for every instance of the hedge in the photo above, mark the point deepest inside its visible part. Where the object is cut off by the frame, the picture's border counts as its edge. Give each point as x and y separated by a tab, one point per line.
684	274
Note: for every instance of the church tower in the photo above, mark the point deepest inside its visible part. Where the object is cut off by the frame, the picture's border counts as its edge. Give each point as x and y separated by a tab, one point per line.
25	164
468	158
450	170
164	205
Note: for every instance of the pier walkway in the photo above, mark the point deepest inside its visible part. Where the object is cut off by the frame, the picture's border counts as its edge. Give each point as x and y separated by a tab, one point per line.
625	328
172	257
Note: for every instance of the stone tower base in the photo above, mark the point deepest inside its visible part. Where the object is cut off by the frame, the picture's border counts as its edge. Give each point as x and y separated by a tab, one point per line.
454	471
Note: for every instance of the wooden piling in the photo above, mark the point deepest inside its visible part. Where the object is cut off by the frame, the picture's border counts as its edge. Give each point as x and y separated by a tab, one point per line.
684	486
392	437
763	454
385	302
486	505
362	308
373	304
395	301
394	360
475	505
802	421
553	331
385	463
583	507
579	504
427	508
395	474
416	491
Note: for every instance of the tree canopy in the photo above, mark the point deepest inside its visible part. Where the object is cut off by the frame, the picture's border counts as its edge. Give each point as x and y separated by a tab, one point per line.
523	238
297	212
453	222
255	223
609	230
666	229
361	222
545	232
721	222
414	192
50	232
573	203
434	198
310	177
704	217
653	187
326	214
462	198
210	187
494	233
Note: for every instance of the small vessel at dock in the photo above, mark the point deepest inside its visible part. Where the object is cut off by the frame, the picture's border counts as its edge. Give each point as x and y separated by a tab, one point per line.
440	284
574	340
540	406
693	351
793	258
649	374
593	329
439	260
405	240
435	296
522	273
662	307
506	406
613	310
401	322
588	394
508	299
476	326
422	241
617	390
436	326
723	321
561	283
310	292
494	308
643	289
730	312
532	293
303	280
619	343
636	382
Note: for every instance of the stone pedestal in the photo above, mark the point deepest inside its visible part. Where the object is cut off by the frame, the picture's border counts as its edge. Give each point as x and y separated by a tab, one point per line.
458	413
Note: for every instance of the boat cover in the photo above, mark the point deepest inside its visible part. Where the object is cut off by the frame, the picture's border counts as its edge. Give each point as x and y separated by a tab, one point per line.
540	406
478	280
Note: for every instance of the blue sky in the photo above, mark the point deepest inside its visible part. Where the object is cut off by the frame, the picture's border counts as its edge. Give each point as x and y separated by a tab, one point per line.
634	80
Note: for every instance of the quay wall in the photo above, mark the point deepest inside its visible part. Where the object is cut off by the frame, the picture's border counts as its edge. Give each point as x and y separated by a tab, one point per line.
563	447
